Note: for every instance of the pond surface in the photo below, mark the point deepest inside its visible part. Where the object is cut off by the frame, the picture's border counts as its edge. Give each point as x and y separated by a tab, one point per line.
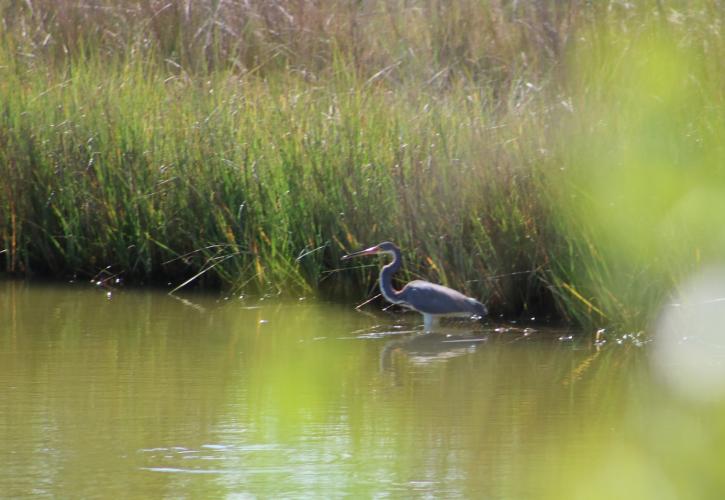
138	394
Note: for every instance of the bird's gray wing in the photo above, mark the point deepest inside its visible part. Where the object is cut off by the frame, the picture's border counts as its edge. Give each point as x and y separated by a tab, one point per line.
430	298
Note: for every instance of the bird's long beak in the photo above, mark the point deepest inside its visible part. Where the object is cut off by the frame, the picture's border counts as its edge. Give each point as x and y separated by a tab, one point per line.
367	251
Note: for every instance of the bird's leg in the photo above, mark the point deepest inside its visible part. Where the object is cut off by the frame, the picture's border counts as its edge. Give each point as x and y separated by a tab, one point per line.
429	322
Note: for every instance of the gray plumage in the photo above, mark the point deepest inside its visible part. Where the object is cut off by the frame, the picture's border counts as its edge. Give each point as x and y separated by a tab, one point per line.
431	300
435	299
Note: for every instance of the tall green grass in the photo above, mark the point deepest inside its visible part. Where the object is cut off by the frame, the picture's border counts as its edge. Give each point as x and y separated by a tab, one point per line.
252	144
134	170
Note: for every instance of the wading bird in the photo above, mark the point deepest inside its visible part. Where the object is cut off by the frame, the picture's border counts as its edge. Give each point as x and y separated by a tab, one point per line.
431	300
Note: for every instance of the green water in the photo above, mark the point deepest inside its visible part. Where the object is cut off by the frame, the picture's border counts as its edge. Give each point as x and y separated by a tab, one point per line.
138	394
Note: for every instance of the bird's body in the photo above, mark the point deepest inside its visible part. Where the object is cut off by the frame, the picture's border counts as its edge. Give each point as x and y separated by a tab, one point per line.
431	300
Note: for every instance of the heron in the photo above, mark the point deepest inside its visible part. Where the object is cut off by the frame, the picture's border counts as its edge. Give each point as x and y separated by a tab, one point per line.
431	300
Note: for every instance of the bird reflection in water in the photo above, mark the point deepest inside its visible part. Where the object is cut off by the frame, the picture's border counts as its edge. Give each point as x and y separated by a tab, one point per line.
427	349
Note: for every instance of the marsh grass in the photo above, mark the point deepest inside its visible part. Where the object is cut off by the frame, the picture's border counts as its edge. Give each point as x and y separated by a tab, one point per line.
136	170
250	145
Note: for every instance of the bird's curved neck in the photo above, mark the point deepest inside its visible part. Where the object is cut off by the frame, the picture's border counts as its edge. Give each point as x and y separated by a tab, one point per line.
386	277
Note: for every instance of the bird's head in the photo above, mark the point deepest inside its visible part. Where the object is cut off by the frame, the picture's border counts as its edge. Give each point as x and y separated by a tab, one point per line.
384	247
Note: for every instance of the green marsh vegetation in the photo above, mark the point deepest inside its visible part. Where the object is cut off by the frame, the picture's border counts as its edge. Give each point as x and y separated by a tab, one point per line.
548	157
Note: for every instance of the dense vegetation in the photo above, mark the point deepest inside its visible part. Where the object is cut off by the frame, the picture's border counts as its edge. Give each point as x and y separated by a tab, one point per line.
558	157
